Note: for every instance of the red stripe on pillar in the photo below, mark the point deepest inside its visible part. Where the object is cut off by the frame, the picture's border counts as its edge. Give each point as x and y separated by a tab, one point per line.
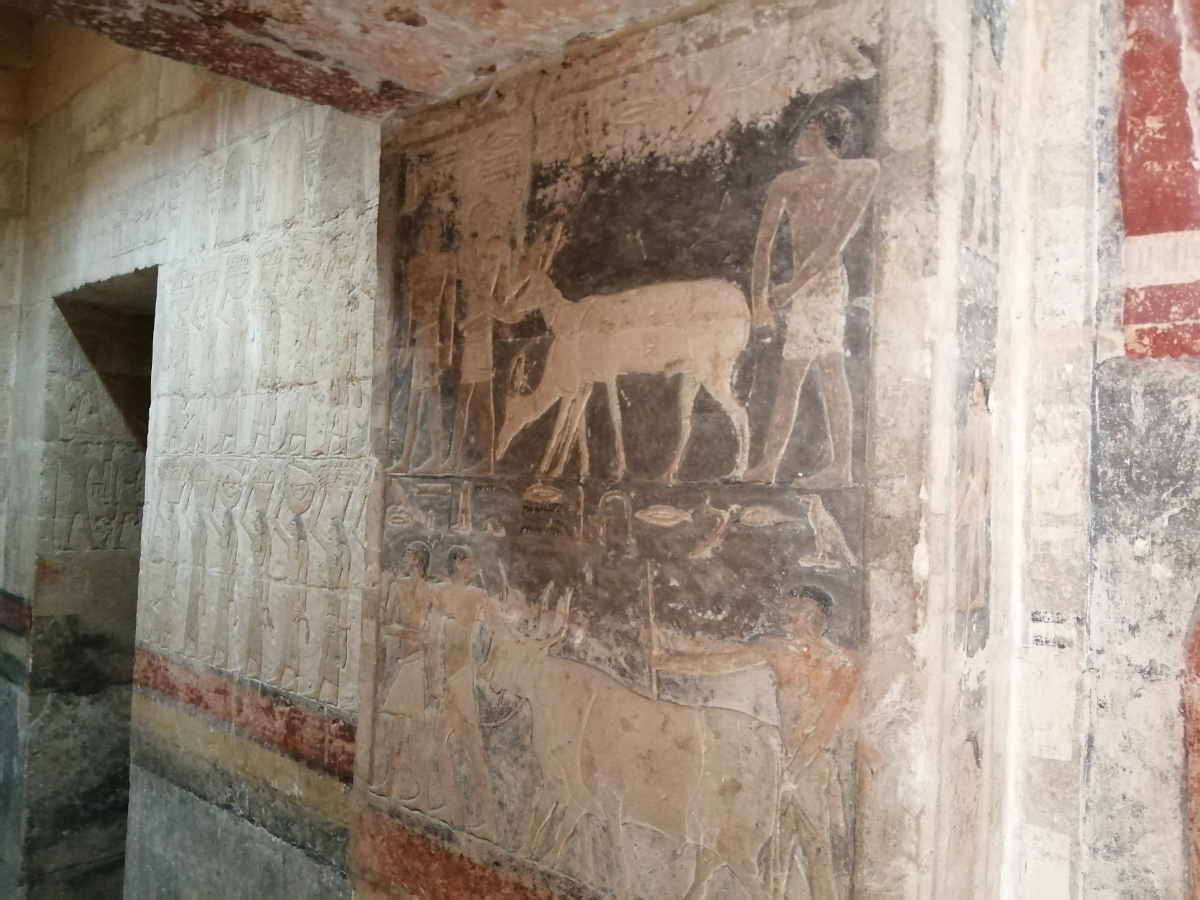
317	736
1160	190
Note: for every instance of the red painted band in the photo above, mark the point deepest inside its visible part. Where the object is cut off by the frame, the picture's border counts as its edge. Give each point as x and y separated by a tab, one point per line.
290	726
394	861
1160	189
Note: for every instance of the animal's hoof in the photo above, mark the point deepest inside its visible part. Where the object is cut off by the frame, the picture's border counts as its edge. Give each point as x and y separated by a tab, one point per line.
757	475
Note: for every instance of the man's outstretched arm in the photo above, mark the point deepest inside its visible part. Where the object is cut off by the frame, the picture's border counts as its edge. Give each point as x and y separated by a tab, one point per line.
691	657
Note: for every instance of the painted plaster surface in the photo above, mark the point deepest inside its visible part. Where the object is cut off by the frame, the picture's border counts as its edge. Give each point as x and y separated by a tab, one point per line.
1160	199
622	629
360	58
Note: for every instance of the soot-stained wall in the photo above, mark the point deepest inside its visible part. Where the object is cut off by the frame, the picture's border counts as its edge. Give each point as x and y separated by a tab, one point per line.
622	630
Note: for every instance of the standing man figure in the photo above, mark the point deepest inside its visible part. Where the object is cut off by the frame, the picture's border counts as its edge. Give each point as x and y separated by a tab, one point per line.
405	635
824	201
816	682
430	292
456	610
483	265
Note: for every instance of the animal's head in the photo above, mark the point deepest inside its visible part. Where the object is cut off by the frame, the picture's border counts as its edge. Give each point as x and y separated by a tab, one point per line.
530	286
519	403
523	632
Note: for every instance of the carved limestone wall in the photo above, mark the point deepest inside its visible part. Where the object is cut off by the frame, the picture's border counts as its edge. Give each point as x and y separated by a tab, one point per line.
247	558
635	633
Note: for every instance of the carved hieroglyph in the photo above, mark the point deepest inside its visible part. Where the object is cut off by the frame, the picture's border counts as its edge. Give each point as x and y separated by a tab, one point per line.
622	547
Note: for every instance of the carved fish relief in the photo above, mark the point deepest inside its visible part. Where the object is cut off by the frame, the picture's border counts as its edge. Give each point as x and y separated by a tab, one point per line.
663	516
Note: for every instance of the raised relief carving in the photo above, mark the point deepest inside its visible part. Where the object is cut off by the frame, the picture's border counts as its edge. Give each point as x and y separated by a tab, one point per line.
824	202
484	262
198	513
300	489
430	280
590	649
694	329
164	553
262	509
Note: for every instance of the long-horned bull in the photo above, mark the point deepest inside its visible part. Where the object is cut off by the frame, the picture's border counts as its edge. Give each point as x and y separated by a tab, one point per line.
694	329
705	778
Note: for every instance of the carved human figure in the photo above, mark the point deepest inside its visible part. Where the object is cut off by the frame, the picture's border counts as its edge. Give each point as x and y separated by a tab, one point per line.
338	557
483	262
430	279
404	628
72	525
101	512
164	554
258	610
824	202
129	464
345	386
179	339
973	507
269	326
816	682
201	488
223	519
456	610
301	489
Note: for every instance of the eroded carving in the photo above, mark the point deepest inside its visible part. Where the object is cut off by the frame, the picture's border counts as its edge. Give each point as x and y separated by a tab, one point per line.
591	649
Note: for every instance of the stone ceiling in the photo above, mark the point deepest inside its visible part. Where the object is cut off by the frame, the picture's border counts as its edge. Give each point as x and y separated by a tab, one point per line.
363	56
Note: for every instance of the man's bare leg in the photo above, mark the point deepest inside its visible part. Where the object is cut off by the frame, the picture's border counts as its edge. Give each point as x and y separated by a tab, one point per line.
411	427
488	435
433	412
458	438
839	415
783	419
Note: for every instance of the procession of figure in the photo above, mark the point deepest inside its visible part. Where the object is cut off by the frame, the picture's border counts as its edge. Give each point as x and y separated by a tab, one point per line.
271	514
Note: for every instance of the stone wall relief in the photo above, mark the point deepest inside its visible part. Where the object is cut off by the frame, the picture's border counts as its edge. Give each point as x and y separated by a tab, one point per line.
265	559
97	492
283	330
617	635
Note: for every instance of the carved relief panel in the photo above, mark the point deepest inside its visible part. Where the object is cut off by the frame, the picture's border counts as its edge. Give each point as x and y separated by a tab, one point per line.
623	568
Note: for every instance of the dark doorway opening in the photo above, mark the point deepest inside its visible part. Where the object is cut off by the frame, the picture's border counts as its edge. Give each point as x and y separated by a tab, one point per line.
84	633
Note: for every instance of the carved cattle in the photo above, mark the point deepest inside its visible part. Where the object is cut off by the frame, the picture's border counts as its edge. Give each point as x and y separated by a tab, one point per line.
704	777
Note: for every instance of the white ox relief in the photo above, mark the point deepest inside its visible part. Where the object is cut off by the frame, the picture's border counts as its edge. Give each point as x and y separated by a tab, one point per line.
694	329
705	778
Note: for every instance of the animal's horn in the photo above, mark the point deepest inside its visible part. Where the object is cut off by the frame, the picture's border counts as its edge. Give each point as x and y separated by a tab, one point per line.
552	246
562	613
539	626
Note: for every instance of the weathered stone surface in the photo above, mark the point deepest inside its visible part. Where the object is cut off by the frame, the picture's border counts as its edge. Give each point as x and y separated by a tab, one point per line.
183	848
365	60
613	625
76	784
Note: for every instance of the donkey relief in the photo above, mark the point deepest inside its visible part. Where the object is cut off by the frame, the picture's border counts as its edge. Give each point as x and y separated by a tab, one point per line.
694	329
